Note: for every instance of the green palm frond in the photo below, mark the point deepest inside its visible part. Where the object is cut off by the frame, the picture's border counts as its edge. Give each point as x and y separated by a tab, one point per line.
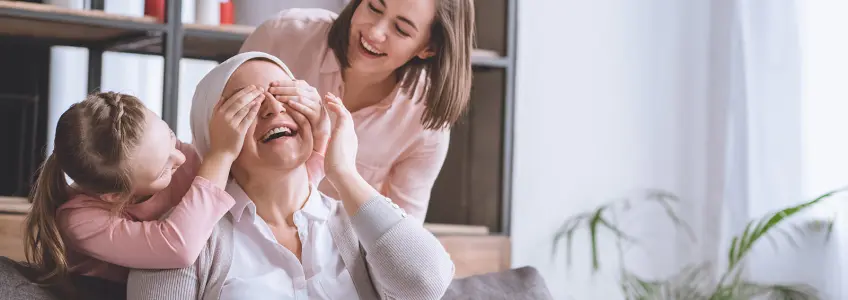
566	231
750	290
594	221
665	199
698	282
599	219
690	283
756	229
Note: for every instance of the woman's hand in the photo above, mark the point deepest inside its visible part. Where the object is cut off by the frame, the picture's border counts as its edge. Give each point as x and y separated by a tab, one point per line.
231	119
341	150
340	160
305	99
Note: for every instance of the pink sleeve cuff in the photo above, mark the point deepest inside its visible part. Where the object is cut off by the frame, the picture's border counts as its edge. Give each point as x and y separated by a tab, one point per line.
224	199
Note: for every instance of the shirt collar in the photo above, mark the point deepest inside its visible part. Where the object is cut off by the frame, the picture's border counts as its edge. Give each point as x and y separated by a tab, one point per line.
315	207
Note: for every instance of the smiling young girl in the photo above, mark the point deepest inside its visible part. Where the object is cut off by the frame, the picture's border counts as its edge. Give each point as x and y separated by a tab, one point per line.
128	170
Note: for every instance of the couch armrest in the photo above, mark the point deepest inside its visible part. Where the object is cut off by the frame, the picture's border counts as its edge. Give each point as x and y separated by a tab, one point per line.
523	283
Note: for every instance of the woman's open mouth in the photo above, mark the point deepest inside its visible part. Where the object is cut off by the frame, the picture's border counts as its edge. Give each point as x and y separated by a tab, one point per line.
369	49
278	132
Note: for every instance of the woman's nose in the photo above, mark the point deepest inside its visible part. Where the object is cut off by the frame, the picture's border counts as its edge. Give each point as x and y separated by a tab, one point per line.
271	107
377	33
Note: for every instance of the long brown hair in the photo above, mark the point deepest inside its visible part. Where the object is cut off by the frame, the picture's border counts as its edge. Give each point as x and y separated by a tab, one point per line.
448	84
92	141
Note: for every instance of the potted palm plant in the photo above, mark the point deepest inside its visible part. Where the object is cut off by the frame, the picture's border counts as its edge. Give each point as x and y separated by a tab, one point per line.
696	282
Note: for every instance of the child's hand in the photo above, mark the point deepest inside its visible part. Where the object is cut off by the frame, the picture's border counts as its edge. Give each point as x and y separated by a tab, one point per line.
340	159
305	99
231	119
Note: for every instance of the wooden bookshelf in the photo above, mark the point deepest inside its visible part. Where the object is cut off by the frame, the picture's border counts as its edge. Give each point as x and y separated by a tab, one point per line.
61	26
474	186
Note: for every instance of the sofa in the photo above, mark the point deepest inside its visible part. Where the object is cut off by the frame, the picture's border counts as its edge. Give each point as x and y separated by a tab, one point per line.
523	283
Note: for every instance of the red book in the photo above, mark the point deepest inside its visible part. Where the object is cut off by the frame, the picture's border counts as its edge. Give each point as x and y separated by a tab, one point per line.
155	8
227	16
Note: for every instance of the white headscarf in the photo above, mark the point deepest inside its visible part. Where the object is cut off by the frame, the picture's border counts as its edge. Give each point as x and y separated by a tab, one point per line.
208	93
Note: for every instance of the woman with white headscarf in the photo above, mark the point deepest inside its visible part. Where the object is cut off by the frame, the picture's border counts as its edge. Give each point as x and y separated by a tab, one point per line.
283	239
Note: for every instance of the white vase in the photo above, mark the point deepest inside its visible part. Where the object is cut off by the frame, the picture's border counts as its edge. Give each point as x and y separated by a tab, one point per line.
74	4
207	12
254	12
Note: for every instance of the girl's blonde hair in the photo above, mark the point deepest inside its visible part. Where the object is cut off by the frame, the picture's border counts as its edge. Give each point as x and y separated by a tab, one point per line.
92	143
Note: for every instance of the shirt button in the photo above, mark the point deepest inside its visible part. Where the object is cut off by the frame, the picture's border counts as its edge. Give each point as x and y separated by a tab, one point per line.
299	283
395	206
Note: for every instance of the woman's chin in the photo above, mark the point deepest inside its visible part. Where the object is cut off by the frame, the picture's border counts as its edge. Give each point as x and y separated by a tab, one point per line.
283	156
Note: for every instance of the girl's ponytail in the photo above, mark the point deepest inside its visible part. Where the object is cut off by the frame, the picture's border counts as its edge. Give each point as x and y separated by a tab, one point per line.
43	244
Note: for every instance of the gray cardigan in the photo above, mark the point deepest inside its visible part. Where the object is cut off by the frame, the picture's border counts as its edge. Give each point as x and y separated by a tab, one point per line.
404	260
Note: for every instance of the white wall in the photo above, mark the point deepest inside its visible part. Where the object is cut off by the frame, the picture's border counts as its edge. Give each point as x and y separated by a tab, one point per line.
608	93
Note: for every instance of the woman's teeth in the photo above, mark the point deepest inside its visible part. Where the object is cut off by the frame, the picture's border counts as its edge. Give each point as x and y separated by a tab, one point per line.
368	47
276	133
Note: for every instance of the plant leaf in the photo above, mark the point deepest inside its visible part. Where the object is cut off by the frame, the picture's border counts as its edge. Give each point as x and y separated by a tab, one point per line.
569	239
635	287
568	225
593	236
750	290
740	246
749	237
663	198
567	230
829	230
731	253
618	233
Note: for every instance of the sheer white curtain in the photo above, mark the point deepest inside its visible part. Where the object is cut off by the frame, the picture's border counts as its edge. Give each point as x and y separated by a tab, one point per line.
766	147
825	144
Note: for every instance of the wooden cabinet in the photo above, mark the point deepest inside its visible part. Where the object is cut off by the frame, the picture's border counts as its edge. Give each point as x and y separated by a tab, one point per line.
11	236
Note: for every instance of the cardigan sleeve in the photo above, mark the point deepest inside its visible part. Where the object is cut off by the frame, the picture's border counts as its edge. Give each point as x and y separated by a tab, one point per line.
201	280
164	284
405	259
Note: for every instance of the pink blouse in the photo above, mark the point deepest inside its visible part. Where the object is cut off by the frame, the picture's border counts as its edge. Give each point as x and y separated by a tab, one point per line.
102	244
397	155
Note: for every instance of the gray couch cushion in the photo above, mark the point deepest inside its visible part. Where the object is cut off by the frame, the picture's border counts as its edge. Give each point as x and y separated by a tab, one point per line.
14	286
517	284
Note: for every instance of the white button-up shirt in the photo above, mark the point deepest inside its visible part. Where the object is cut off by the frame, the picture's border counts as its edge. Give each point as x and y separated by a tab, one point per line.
264	269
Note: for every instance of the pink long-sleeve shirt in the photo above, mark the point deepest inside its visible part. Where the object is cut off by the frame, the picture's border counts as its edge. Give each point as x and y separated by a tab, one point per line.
104	245
397	155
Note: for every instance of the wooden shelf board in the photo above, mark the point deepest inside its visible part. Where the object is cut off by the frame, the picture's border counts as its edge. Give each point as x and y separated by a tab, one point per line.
221	42
474	255
213	42
488	58
456	229
14	205
242	31
65	26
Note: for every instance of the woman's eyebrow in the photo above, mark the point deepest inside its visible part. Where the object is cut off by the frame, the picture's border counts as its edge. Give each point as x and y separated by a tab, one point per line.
407	21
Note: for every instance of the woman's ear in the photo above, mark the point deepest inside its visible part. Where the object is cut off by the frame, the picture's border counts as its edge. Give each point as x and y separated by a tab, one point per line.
426	53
